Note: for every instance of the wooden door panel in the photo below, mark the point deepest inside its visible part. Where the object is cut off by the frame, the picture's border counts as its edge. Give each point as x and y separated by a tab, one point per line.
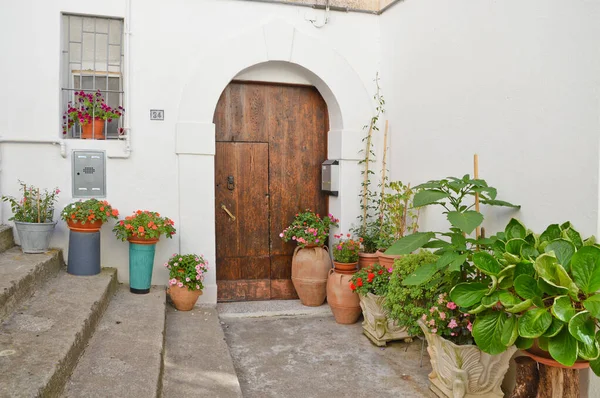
243	243
291	121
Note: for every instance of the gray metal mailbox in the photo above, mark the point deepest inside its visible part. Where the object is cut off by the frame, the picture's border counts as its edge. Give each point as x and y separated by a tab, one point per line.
89	174
330	177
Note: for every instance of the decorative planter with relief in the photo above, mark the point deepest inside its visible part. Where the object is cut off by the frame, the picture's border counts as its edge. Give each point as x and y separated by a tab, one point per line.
84	220
186	274
33	215
377	325
311	261
142	229
464	370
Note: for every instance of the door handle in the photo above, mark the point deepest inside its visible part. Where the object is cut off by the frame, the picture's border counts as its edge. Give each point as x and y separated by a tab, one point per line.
228	212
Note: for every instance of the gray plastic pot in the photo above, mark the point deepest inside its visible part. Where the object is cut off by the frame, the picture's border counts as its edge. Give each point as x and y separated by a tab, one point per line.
35	237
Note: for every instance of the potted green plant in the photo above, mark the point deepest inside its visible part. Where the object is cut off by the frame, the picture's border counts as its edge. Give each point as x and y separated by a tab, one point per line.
186	274
457	368
91	112
539	292
405	305
84	219
33	217
344	305
371	287
142	229
311	261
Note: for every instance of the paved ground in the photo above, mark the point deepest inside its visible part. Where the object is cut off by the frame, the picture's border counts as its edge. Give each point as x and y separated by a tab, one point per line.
312	356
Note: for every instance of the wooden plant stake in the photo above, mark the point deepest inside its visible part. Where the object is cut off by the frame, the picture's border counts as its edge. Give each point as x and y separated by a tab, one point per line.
366	181
476	176
38	204
385	135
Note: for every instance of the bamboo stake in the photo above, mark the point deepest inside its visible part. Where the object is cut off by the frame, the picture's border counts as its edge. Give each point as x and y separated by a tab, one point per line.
385	135
476	174
38	204
366	182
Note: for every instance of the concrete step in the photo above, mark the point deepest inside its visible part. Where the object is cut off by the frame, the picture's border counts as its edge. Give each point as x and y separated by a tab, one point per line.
43	338
22	274
6	238
124	358
197	359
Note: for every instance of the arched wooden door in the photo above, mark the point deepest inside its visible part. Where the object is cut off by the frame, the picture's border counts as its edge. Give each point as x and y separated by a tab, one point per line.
270	142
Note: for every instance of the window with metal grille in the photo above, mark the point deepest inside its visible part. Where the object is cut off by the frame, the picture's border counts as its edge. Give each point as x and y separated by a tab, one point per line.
92	61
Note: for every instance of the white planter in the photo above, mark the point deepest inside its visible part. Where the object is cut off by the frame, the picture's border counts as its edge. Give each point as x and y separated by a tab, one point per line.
464	370
376	325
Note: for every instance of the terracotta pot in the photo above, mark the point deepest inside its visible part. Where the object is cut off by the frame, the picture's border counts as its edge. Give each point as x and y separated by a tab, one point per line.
310	266
376	325
183	299
345	266
545	358
87	227
365	260
94	130
387	260
142	241
344	303
464	370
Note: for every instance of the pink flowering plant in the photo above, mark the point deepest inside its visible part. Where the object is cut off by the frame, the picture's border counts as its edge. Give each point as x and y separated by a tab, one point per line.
187	270
33	205
345	250
87	107
309	228
445	319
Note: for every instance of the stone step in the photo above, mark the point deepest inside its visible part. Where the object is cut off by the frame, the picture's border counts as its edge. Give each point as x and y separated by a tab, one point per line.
124	358
22	274
197	359
41	341
7	239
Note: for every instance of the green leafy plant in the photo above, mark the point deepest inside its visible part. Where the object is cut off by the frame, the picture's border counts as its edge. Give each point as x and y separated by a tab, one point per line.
398	217
34	206
89	211
144	224
345	250
454	247
89	107
407	304
374	279
537	287
187	270
309	228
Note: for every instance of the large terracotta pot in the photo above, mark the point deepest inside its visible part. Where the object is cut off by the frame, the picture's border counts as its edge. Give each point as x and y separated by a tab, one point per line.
365	260
344	303
94	130
183	299
545	358
88	227
376	325
351	267
464	370
310	267
387	260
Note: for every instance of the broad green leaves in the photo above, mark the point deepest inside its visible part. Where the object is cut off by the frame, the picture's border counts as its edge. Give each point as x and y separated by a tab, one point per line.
585	267
421	275
563	348
486	263
468	294
410	243
581	326
592	304
428	196
563	250
510	332
563	309
515	230
534	323
554	274
466	221
527	287
488	331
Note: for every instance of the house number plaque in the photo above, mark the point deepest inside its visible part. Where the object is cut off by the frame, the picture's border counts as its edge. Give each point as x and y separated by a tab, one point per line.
157	114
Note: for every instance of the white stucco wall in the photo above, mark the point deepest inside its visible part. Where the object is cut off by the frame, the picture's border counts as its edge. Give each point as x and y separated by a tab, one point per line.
174	45
517	82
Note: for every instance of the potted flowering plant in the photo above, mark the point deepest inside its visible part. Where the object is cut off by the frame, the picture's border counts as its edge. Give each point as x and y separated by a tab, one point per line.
142	229
91	111
88	215
345	253
311	262
33	214
186	273
371	286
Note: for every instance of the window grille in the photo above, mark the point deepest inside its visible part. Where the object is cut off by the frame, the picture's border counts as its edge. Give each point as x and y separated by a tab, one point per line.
92	60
